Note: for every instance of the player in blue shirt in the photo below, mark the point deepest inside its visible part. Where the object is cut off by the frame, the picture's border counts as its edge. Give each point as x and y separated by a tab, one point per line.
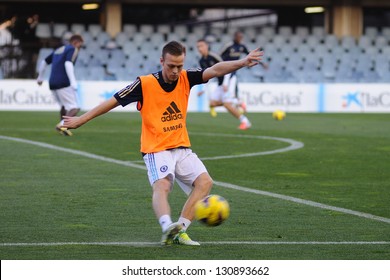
223	94
234	50
62	81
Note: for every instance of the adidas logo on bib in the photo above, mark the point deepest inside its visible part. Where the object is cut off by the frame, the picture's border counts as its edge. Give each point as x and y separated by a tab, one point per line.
172	113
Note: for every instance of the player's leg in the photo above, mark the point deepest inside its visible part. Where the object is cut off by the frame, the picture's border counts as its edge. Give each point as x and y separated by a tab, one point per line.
202	186
68	98
62	112
215	100
56	95
193	178
162	210
229	100
213	104
160	168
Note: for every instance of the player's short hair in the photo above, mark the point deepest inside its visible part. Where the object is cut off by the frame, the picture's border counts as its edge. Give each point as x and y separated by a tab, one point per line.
76	38
174	48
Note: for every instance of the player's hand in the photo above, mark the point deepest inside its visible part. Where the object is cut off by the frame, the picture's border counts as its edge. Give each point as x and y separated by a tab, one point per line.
74	86
71	122
254	57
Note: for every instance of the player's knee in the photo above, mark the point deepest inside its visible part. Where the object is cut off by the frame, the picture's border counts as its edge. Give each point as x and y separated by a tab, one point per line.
162	186
204	182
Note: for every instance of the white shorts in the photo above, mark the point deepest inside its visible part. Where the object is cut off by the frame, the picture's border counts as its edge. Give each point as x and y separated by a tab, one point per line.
180	164
66	97
226	97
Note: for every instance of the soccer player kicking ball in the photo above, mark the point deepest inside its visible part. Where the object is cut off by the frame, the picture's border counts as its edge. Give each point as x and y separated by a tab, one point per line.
162	99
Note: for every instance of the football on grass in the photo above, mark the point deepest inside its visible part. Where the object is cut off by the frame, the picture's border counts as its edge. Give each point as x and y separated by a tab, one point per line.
278	115
212	210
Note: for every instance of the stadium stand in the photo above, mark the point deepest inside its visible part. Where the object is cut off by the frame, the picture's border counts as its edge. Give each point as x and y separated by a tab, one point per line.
294	53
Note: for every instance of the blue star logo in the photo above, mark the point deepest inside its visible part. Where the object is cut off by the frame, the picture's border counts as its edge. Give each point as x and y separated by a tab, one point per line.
350	98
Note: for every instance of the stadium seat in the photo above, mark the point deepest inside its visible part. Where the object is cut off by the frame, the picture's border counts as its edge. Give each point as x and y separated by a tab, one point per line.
312	41
163	29
348	42
225	38
102	54
138	39
371	50
129	29
84	57
102	38
331	41
371	32
191	39
174	36
81	72
279	40
294	63
287	51
380	41
181	31
383	76
261	40
129	48
364	41
295	40
245	75
318	31
381	62
198	30
77	28
122	74
121	38
386	50
146	29
328	72
321	51
156	40
285	31
97	73
87	37
43	31
59	29
95	29
268	31
302	31
386	32
304	49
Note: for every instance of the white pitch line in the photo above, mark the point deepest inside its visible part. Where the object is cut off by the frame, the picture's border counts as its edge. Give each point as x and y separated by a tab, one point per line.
294	145
222	184
304	201
144	244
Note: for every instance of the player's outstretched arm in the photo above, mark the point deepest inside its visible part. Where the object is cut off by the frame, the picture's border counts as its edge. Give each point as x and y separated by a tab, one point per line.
225	67
75	122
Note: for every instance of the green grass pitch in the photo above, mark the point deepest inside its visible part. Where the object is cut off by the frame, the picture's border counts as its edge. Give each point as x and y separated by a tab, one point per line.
88	197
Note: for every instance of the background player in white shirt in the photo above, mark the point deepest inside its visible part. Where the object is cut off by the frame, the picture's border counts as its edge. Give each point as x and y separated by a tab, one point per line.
223	95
